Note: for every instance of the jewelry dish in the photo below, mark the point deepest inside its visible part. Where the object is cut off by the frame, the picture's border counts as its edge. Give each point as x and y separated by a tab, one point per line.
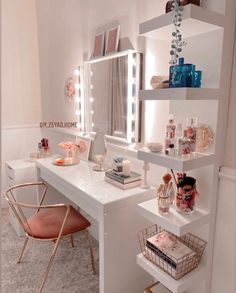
155	147
65	161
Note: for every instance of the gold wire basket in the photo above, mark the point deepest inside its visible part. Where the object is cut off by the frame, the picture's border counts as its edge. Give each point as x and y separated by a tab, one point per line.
176	268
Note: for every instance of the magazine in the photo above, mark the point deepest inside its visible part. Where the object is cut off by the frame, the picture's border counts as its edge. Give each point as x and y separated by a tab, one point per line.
169	248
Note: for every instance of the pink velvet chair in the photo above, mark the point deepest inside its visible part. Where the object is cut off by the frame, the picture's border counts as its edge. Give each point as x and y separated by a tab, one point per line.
48	223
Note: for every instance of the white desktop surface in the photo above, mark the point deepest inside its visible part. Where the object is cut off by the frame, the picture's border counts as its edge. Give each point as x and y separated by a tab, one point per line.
82	177
118	219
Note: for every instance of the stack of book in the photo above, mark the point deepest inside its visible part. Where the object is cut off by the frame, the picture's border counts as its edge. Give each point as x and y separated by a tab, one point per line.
121	181
167	247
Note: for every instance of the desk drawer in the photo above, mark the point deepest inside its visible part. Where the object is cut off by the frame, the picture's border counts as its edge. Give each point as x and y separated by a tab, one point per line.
10	175
10	181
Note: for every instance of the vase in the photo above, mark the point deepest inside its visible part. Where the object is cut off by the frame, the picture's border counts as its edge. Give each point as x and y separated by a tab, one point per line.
181	3
181	75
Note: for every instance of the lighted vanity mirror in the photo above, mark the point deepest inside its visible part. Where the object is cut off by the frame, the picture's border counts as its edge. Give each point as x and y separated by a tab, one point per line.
111	95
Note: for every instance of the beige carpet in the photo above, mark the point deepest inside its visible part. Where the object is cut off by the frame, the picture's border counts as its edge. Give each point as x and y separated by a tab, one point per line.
71	271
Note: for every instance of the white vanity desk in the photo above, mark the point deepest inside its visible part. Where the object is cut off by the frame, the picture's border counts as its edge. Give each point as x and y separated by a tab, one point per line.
118	220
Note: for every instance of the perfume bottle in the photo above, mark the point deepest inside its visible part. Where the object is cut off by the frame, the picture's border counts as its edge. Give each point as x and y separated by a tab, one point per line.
197	78
40	150
186	145
45	146
178	136
191	131
181	75
170	131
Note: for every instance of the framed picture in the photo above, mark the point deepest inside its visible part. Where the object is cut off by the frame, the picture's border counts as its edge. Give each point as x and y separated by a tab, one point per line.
112	40
98	45
84	147
69	89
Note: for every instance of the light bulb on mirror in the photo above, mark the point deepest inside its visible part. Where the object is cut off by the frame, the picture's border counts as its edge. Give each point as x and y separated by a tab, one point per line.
99	151
76	72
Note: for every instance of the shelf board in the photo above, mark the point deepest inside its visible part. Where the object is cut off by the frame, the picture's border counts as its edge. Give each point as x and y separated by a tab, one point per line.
173	221
196	20
178	163
179	94
175	286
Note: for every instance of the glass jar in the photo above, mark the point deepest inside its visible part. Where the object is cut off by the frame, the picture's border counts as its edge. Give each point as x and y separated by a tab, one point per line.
163	204
185	200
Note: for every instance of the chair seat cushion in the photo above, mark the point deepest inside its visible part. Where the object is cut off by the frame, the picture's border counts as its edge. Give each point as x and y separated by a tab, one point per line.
46	224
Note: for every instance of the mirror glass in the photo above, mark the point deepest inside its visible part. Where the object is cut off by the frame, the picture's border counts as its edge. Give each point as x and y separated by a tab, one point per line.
112	102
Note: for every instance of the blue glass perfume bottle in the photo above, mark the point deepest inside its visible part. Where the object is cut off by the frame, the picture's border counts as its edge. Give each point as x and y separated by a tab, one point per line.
197	78
181	75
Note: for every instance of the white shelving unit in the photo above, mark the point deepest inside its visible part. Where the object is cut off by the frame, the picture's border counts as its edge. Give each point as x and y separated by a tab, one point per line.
176	286
196	21
173	221
179	94
197	160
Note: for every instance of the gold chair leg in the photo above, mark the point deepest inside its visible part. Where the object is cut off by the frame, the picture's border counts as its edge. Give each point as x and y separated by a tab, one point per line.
49	265
23	249
72	241
91	252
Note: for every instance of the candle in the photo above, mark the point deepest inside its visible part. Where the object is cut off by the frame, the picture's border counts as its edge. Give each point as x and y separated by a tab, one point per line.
126	167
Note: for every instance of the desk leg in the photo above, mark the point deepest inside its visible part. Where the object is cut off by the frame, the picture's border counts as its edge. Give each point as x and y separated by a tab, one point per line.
118	247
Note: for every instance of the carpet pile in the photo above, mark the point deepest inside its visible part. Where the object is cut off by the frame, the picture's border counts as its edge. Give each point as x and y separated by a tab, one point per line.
71	271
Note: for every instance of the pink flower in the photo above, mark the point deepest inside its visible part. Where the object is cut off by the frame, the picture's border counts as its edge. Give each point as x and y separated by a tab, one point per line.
68	145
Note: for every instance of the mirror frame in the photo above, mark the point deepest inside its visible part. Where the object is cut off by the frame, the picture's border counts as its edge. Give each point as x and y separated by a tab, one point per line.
134	105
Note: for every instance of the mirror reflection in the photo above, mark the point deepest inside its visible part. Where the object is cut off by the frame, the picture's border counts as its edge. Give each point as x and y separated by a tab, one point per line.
113	104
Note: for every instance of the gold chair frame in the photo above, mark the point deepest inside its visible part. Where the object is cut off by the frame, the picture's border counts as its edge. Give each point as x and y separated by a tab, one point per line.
16	207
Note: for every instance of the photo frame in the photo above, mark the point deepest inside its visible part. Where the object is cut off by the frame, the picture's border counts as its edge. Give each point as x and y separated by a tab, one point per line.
69	89
98	48
84	144
112	40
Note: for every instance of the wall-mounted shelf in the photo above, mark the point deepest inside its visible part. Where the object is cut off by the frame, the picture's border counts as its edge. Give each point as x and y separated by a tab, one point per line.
196	20
177	163
179	94
175	286
173	221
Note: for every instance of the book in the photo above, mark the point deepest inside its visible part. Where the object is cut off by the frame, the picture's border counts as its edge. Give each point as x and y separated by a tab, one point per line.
169	248
123	186
123	179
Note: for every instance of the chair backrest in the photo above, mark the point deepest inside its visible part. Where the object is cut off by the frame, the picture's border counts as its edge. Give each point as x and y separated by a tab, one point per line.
19	207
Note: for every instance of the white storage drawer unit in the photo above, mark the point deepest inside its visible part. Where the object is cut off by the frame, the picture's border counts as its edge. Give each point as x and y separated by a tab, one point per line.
18	172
